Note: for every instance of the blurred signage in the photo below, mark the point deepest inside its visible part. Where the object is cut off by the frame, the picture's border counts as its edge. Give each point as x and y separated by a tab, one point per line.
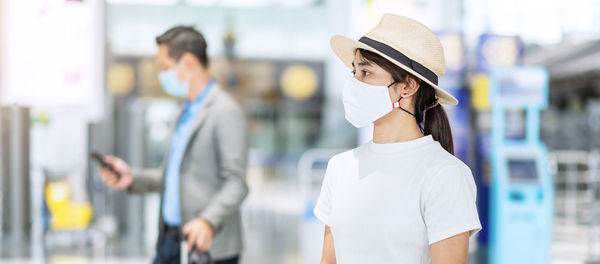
454	52
53	54
519	86
497	51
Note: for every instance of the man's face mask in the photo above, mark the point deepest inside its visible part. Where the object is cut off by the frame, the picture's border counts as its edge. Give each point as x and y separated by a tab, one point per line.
171	83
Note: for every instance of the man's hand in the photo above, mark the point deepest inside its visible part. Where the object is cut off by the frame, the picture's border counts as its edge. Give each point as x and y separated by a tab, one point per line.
111	179
200	233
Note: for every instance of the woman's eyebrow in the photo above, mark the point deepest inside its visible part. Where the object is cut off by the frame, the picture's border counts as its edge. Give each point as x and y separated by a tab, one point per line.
362	63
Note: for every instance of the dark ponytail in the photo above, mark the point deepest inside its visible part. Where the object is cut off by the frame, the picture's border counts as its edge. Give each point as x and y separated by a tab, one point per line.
436	121
427	109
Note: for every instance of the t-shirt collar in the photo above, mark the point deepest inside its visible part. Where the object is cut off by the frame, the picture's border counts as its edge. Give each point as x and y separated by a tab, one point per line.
386	148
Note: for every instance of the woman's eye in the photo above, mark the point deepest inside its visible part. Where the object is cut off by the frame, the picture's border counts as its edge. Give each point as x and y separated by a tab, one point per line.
366	73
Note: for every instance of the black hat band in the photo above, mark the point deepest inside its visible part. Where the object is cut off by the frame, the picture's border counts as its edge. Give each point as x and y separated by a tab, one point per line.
398	56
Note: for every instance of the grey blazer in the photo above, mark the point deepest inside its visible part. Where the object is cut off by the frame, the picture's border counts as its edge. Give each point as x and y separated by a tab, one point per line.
212	181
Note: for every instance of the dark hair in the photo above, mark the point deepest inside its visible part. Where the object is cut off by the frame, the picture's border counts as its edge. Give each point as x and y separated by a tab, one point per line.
436	121
182	39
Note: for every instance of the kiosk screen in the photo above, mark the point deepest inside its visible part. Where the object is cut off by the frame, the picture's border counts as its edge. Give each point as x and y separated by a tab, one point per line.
522	171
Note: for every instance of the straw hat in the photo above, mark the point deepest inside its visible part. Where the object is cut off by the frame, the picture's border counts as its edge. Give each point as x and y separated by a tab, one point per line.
405	42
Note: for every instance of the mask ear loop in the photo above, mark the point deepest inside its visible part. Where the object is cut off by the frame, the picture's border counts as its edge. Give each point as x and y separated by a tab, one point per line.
397	105
420	127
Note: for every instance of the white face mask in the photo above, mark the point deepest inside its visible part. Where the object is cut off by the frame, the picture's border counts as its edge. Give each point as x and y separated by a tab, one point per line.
365	103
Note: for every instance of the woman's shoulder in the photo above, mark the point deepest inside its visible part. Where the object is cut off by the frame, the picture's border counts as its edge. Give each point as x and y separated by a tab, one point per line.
440	160
348	157
345	156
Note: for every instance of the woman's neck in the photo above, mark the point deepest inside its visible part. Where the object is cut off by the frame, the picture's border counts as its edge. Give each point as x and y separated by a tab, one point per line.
396	126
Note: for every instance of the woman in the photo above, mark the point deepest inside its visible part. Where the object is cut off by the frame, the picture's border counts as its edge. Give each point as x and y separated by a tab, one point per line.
403	197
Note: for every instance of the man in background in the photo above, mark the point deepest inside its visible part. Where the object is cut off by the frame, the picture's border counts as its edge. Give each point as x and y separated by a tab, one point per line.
202	182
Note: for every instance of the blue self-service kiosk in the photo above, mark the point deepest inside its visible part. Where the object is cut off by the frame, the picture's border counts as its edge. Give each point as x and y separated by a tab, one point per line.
521	195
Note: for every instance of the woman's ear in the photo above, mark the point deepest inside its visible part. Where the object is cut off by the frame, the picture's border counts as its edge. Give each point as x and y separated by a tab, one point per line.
411	87
396	91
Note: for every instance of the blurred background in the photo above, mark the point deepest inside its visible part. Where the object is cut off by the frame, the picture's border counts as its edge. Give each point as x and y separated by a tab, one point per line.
80	75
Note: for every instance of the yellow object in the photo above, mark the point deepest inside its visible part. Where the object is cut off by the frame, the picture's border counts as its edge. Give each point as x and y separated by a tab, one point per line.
299	82
66	215
147	72
42	117
120	78
480	92
66	259
57	195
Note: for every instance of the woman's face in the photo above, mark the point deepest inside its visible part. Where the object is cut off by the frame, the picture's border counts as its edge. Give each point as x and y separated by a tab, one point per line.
371	73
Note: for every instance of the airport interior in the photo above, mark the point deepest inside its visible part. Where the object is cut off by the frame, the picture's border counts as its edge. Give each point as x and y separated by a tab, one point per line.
78	76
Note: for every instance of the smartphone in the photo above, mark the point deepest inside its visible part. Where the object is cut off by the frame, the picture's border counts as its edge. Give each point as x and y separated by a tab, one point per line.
100	159
194	256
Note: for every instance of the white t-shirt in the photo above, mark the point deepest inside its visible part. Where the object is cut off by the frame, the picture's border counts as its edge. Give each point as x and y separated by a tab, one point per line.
386	203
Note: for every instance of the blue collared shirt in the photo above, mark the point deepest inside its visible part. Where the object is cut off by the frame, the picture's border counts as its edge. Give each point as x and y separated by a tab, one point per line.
171	208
